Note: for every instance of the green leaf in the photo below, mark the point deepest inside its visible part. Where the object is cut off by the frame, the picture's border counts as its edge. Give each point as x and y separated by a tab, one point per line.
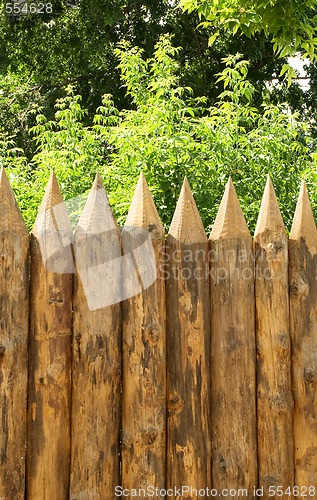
285	68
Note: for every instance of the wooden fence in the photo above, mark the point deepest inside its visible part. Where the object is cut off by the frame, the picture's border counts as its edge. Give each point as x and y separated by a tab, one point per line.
207	379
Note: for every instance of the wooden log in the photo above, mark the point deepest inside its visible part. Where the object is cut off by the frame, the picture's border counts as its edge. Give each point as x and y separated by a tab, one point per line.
274	394
144	349
96	372
48	456
188	349
303	330
233	357
14	286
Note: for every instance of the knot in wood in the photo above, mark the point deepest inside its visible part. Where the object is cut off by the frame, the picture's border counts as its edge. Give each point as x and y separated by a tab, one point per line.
152	332
2	350
149	435
309	375
293	289
175	404
301	288
269	480
279	403
222	466
284	341
154	232
276	246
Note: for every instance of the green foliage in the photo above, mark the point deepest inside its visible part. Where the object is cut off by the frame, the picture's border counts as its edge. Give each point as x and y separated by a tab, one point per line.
292	24
13	160
40	54
169	134
66	146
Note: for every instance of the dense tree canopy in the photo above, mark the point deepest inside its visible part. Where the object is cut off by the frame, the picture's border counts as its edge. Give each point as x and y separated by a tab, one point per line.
292	24
40	54
124	85
168	134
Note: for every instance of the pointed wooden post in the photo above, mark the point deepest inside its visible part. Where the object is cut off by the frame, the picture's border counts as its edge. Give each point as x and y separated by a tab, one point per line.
144	352
233	358
274	395
303	329
48	453
96	351
14	286
188	349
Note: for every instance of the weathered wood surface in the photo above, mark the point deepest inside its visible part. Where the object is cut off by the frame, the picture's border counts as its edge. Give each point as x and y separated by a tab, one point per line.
233	358
188	349
212	422
14	283
48	457
303	329
274	392
144	349
96	374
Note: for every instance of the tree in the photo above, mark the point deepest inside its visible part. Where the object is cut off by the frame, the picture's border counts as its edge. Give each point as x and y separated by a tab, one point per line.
168	134
41	54
292	25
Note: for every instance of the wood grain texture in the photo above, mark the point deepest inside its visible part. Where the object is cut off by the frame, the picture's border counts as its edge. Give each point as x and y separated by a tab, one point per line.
144	349
233	358
303	330
14	298
48	456
188	349
96	373
274	393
